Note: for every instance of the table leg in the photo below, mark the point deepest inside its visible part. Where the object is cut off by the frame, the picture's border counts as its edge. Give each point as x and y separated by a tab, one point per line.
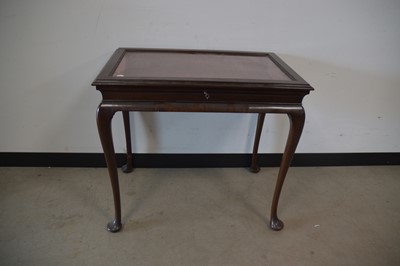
260	122
104	117
297	118
127	168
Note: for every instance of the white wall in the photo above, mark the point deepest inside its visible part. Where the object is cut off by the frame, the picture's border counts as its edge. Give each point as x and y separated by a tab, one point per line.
51	50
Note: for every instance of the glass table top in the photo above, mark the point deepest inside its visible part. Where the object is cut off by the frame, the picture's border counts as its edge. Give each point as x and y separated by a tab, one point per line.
198	66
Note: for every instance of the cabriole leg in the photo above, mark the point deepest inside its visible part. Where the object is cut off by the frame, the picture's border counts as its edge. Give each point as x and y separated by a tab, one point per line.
260	122
104	116
296	127
128	167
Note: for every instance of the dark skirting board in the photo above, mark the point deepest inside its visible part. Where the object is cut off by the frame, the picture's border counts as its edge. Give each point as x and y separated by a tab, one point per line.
150	160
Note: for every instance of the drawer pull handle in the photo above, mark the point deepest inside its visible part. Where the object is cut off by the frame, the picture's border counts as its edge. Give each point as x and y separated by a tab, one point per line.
206	95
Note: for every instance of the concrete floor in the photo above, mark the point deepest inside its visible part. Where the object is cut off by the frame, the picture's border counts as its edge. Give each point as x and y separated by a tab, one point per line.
332	215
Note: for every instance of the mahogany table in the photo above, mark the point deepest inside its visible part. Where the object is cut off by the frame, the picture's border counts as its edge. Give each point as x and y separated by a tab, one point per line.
160	80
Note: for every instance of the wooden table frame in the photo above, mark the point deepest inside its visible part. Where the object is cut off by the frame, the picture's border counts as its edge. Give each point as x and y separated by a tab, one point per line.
128	94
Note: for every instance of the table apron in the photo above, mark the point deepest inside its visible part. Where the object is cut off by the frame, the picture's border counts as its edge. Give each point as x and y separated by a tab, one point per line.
116	106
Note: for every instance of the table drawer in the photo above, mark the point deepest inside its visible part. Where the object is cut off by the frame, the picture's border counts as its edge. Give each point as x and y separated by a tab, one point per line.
205	95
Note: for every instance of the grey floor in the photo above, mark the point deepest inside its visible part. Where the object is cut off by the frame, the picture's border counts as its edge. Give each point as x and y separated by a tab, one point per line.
332	215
